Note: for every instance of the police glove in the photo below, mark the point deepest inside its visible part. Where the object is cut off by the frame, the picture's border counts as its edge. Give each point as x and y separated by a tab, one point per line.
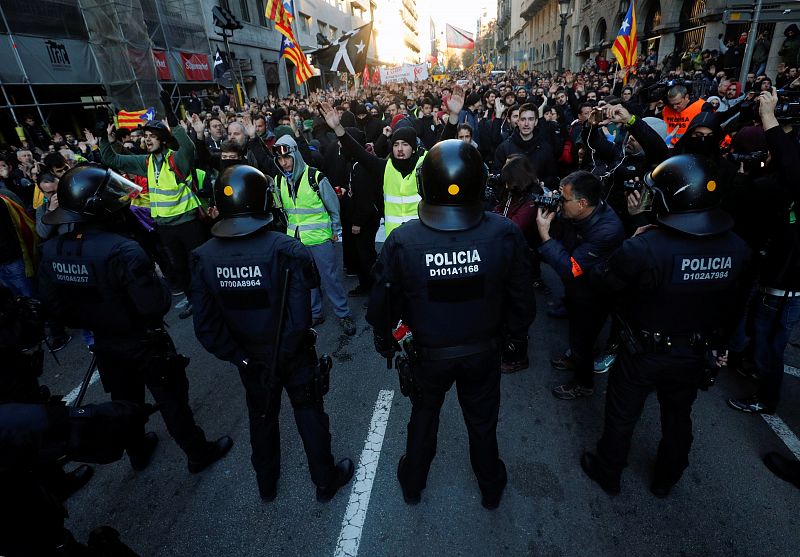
384	346
166	100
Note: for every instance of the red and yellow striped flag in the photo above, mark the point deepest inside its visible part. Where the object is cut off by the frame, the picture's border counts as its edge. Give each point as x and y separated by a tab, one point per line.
280	12
292	52
624	47
134	119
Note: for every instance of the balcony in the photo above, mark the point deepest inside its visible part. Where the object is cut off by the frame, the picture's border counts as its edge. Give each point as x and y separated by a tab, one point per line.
532	8
411	7
411	42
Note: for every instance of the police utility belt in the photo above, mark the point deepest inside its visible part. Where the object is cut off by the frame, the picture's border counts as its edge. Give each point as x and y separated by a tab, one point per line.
452	352
649	342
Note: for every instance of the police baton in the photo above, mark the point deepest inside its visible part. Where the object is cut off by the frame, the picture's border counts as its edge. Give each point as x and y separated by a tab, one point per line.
273	372
85	383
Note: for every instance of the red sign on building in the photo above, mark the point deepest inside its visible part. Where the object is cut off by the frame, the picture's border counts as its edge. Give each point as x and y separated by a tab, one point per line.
162	67
196	67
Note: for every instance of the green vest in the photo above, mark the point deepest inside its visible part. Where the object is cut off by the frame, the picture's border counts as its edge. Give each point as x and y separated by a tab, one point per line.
307	218
168	198
400	196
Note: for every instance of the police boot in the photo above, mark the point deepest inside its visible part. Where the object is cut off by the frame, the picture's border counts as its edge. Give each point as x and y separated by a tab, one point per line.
410	496
344	471
140	457
104	542
515	356
213	453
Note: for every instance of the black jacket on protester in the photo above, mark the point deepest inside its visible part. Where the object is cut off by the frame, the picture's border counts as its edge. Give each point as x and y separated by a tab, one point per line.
372	128
536	149
427	131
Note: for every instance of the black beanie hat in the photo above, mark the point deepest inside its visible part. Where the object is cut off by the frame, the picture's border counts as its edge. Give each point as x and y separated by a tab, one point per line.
406	134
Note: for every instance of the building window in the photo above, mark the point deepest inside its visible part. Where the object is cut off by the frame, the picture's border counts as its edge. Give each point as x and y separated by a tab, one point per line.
356	11
323	28
342	5
305	22
262	16
333	31
244	10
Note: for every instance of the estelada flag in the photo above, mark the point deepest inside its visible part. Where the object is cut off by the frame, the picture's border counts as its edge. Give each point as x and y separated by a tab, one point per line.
132	120
624	47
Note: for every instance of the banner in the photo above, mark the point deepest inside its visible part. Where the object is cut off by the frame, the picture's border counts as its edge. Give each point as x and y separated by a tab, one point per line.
406	72
48	61
162	67
196	67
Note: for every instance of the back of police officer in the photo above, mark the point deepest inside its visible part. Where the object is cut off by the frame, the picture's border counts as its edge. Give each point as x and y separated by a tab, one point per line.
460	280
243	279
97	279
680	287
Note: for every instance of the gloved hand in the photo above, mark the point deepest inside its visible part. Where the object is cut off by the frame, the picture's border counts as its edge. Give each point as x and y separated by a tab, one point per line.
384	346
166	100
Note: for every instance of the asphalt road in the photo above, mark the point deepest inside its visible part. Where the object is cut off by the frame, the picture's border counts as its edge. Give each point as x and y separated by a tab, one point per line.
726	504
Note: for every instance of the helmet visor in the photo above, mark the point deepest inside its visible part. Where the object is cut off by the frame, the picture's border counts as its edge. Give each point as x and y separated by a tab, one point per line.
118	190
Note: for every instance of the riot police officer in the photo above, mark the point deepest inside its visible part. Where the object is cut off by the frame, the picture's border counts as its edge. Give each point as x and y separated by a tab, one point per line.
252	303
458	279
97	278
679	285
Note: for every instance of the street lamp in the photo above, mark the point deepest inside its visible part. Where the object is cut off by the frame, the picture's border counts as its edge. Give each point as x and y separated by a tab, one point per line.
563	11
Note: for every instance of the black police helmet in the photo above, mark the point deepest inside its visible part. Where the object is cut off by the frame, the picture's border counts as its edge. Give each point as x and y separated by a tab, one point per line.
90	193
687	188
243	198
451	182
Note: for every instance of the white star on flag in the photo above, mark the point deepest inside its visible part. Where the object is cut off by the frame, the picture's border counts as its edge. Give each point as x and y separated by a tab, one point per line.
625	25
360	46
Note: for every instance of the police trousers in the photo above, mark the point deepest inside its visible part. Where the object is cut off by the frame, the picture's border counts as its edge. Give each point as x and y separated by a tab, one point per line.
675	377
477	380
124	376
587	315
263	408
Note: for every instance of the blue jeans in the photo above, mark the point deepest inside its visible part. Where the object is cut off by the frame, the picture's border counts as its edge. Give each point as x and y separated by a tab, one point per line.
775	317
12	276
330	272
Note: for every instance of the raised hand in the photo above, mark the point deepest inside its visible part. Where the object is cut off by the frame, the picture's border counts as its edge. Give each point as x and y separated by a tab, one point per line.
91	140
249	126
331	118
199	126
456	101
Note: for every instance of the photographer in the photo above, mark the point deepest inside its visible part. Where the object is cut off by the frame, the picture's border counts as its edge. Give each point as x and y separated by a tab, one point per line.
777	303
591	233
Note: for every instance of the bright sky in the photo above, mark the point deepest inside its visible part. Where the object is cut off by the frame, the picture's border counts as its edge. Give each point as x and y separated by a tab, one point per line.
459	13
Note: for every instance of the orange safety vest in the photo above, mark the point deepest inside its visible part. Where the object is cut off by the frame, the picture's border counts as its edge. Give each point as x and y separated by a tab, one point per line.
678	122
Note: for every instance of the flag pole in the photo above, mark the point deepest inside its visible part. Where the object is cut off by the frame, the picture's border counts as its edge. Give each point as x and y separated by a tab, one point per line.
294	32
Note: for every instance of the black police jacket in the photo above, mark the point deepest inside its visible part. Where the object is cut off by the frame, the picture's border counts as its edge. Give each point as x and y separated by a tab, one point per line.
236	295
104	282
454	288
672	283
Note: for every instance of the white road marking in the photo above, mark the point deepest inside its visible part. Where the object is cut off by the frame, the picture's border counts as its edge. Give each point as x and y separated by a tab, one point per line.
73	394
791	370
782	430
356	513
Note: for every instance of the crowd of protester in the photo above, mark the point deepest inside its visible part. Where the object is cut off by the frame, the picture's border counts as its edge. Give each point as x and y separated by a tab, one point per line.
532	128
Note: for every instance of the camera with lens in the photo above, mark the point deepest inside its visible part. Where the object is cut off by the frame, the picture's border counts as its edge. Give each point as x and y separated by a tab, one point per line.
547	202
629	176
787	111
493	185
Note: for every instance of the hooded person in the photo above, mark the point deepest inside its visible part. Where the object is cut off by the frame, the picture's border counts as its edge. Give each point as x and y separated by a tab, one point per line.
396	174
311	208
